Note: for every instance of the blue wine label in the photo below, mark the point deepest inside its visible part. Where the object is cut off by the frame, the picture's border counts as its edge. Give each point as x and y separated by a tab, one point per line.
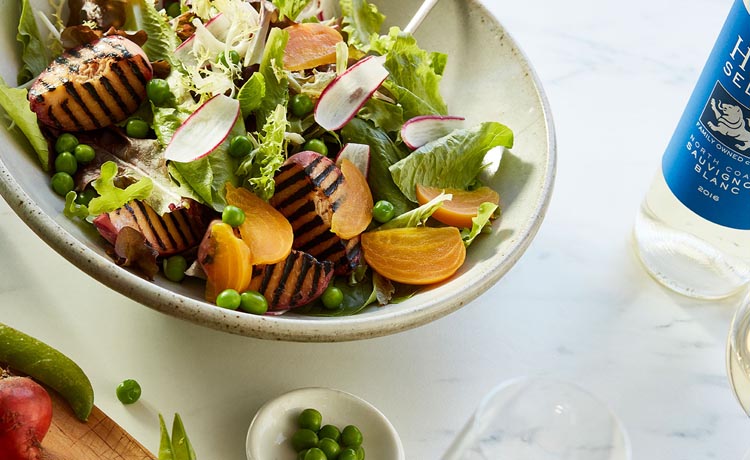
707	162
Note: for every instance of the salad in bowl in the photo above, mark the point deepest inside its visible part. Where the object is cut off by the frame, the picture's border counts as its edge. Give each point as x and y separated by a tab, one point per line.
284	156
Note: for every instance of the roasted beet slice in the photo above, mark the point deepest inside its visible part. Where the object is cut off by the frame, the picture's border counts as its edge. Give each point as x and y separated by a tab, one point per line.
170	233
293	282
308	192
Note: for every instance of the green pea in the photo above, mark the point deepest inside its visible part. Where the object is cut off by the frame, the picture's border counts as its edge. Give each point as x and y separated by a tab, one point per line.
253	302
301	104
315	454
301	454
351	436
330	432
332	297
137	128
174	268
304	439
310	419
347	454
62	183
229	299
129	391
233	215
173	10
316	145
234	58
383	211
65	143
66	162
360	453
158	91
240	146
84	153
329	447
86	196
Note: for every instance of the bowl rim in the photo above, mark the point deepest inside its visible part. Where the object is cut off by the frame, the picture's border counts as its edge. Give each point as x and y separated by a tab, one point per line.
318	390
285	327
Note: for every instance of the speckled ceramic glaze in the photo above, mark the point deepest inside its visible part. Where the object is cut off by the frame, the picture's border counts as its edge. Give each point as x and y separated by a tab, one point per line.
487	78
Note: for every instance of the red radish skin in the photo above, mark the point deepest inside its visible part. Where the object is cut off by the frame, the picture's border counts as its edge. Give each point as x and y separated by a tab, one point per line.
25	418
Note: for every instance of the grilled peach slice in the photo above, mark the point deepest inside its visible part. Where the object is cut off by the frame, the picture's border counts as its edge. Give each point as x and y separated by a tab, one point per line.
265	230
309	191
354	213
225	259
310	45
92	86
293	282
415	255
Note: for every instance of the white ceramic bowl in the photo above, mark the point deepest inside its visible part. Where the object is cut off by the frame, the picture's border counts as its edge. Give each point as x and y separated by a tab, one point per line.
268	437
487	78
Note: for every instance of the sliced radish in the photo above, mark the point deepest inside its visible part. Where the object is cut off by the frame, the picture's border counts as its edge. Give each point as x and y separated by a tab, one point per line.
219	25
204	130
358	154
418	131
347	93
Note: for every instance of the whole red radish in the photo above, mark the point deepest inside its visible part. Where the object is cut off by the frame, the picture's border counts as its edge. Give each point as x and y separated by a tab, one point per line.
25	417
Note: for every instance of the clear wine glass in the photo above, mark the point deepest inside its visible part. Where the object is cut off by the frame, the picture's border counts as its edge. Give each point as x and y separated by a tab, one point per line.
738	355
532	418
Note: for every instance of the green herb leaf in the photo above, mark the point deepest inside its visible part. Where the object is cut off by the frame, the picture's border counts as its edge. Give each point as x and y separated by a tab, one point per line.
181	446
251	94
165	444
73	209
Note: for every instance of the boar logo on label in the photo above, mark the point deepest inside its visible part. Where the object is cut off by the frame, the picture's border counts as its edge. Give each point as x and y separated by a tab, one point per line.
725	116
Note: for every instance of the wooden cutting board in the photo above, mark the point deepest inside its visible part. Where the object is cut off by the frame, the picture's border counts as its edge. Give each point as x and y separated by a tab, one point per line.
98	439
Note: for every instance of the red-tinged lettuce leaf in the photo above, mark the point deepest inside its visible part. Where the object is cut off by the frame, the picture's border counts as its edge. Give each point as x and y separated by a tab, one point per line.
135	159
132	250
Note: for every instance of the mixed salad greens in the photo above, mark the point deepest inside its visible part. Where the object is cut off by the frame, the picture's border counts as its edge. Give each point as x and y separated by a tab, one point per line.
241	100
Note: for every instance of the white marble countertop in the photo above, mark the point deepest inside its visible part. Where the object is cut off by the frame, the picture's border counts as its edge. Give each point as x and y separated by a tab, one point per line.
577	306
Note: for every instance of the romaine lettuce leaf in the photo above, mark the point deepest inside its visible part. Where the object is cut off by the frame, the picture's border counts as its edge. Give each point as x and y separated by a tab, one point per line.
112	197
362	22
34	54
16	105
453	161
252	93
162	39
415	74
479	223
261	165
384	115
383	154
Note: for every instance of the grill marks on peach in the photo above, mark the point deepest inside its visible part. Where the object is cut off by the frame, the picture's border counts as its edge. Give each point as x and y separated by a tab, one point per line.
308	196
93	86
168	234
292	282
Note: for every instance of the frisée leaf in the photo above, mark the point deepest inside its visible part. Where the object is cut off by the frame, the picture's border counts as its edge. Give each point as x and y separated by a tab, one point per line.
261	165
361	21
112	197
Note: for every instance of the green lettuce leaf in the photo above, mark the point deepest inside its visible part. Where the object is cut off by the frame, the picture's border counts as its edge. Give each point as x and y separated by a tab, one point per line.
384	115
418	216
415	74
162	39
166	120
362	22
112	197
73	209
34	54
261	165
274	76
251	94
383	154
453	161
480	223
290	8
16	105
